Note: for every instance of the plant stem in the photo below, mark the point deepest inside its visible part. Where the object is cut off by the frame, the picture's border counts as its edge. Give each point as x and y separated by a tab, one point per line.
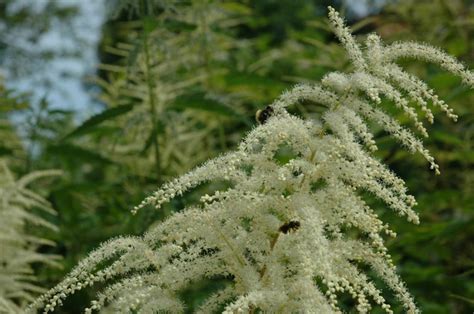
272	245
151	99
263	271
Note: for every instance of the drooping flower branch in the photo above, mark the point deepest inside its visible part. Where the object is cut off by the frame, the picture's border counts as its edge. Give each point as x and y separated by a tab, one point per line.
289	236
17	245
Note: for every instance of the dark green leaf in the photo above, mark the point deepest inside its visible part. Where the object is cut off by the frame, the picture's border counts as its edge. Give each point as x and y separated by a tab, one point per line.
5	151
73	152
447	138
199	101
89	124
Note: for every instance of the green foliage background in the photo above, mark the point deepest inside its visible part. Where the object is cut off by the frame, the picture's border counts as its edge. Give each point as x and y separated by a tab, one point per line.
232	65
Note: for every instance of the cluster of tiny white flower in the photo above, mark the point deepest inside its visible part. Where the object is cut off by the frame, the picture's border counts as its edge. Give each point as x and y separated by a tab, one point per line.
17	245
289	236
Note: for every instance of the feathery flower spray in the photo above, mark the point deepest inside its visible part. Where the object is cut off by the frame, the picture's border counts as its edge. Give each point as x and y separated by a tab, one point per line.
18	247
278	232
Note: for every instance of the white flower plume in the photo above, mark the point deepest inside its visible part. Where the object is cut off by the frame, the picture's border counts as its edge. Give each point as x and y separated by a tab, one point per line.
288	236
17	245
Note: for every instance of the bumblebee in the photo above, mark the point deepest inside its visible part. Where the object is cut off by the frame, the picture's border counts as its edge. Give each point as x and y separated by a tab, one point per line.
292	225
262	115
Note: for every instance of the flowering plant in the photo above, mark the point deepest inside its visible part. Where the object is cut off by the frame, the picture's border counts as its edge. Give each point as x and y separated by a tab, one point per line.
18	246
288	236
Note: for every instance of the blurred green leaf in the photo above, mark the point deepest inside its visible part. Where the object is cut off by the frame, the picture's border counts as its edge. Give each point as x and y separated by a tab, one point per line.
199	101
73	152
89	125
5	151
457	46
447	138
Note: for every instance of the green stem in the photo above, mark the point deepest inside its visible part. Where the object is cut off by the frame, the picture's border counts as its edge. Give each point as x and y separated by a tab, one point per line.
272	245
152	101
205	61
263	271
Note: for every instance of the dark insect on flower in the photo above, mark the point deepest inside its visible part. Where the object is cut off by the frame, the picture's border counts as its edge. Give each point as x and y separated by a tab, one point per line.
208	251
262	115
292	225
297	172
